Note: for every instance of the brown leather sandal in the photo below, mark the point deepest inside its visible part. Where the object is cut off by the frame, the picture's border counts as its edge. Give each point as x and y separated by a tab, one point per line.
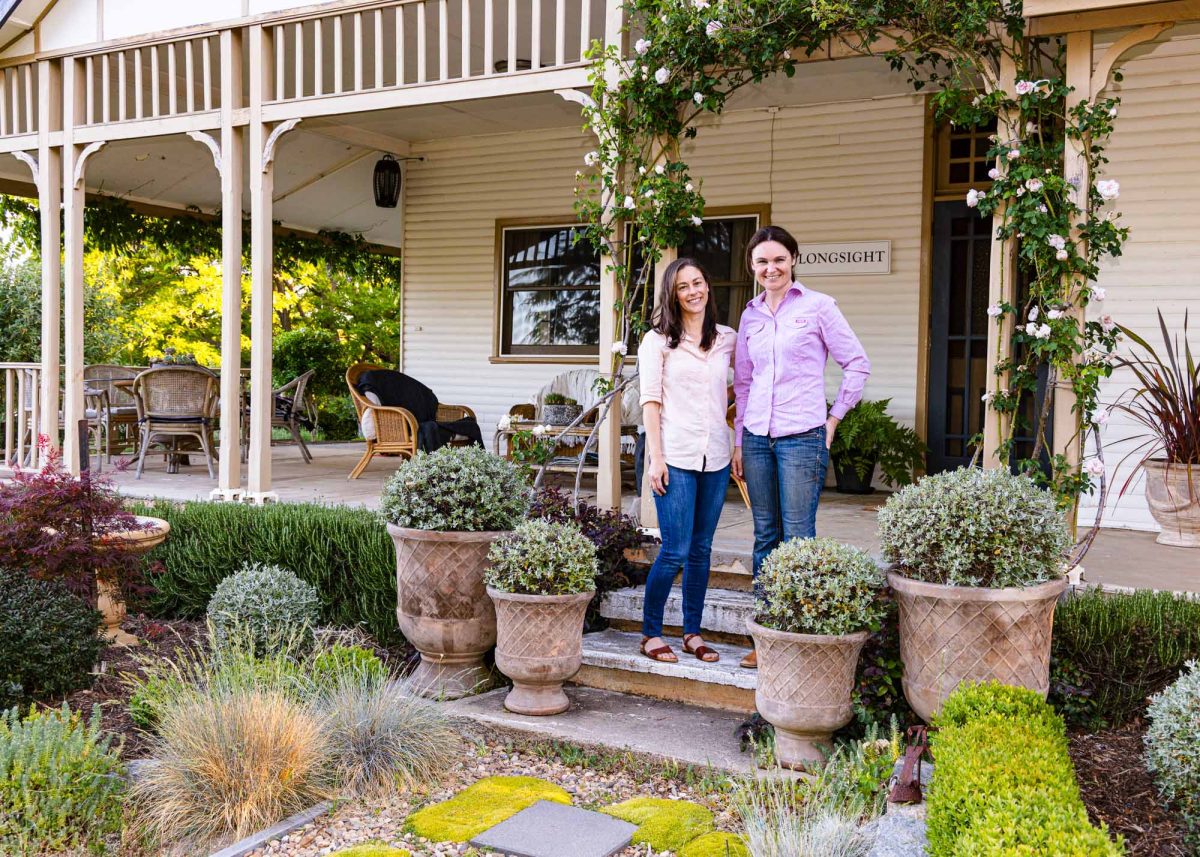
702	652
664	653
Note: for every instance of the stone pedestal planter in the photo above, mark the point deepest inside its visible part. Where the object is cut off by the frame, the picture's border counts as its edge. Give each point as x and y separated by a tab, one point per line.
148	534
539	645
443	608
804	687
952	634
1174	503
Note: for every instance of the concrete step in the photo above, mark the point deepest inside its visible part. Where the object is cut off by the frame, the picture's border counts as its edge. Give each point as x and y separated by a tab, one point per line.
724	617
603	718
612	661
731	567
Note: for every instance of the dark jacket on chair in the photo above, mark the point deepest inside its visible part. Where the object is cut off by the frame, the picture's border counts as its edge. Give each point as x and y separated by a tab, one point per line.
397	390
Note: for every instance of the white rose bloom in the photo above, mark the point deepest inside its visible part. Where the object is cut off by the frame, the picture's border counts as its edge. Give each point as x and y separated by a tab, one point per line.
1098	293
591	158
698	97
689	187
504	423
712	28
1095	467
993	174
1042	208
659	170
620	348
1112	113
1101	418
1062	255
1107	323
1108	188
1054	314
1031	328
662	75
987	397
1043	331
973	197
697	221
700	4
1024	87
641	171
1033	314
629	203
1031	127
1034	185
1013	154
994	310
641	46
1056	241
540	430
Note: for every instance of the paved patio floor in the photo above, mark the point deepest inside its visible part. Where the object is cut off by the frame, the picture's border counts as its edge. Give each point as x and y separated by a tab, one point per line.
1118	557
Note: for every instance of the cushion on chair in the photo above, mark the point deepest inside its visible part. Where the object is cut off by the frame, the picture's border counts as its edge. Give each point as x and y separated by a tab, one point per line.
367	426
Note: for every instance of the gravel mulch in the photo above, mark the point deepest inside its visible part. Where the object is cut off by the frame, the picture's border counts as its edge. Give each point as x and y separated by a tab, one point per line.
593	781
1117	790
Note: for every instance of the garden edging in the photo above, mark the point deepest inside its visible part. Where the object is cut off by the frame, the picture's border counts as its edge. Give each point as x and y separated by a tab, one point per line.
283	828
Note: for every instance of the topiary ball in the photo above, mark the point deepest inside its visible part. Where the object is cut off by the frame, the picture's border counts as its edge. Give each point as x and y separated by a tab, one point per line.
457	489
264	607
49	640
819	586
1173	747
542	558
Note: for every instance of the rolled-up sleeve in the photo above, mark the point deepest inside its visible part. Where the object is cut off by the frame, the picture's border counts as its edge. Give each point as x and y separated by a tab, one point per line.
844	347
742	374
650	368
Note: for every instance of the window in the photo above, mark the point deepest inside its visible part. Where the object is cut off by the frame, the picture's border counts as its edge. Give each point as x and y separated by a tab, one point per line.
962	158
720	246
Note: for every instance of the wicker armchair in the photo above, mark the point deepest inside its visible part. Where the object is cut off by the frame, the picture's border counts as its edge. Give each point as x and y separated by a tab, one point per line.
395	429
176	402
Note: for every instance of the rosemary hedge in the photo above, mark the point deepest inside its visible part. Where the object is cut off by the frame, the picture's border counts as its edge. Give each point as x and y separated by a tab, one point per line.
1005	784
345	553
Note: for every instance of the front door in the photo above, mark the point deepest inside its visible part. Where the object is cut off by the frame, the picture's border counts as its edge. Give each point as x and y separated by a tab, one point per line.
958	333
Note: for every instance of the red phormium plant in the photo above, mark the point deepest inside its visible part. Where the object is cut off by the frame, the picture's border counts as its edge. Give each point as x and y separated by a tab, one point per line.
52	523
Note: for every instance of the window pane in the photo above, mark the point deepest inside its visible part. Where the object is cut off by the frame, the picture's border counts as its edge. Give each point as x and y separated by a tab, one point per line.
549	258
720	246
546	317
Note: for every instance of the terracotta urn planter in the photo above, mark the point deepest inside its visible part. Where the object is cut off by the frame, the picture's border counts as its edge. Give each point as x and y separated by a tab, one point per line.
148	534
952	634
1173	495
539	645
443	608
804	687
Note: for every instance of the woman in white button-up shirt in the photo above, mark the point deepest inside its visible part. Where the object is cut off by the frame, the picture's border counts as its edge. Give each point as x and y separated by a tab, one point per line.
684	365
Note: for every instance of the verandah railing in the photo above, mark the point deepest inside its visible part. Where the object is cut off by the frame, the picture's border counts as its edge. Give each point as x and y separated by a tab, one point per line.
21	383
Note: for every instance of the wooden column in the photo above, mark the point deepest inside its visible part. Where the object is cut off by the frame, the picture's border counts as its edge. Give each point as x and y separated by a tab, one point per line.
648	516
50	195
1002	288
232	151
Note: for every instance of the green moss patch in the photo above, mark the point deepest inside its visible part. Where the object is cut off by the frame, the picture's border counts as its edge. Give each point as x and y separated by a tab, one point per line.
718	844
664	825
372	851
481	806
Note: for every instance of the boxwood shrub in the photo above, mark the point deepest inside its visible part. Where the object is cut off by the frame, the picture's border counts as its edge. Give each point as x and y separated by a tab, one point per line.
345	553
1004	783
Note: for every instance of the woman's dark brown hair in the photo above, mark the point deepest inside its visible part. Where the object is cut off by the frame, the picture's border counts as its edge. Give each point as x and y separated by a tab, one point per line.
771	233
668	315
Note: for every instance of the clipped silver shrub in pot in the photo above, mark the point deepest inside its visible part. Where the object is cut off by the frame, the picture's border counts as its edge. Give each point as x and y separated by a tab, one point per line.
977	569
541	579
443	510
816	603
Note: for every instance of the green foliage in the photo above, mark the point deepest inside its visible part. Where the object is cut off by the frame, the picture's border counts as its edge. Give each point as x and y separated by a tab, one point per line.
859	770
878	696
716	844
294	352
49	640
480	807
819	586
1004	783
456	488
266	602
558	399
972	527
868	435
150	695
345	553
339	660
1173	747
337	418
372	850
61	783
542	558
664	825
1109	653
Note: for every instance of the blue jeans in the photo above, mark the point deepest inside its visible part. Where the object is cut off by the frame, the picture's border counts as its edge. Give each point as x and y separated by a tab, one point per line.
784	477
687	517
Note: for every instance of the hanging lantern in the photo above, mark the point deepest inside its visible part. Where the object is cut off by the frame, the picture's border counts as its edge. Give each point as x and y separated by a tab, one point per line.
387	182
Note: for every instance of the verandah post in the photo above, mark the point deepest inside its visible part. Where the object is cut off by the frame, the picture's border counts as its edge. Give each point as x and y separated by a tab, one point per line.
73	159
50	191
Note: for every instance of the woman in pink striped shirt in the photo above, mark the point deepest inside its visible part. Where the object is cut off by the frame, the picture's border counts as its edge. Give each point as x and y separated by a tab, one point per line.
783	429
683	364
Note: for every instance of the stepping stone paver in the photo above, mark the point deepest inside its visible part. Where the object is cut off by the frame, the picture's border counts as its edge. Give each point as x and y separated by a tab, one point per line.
549	829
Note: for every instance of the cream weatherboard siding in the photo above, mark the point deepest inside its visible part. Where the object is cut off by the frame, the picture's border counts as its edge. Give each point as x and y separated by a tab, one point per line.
840	171
1153	155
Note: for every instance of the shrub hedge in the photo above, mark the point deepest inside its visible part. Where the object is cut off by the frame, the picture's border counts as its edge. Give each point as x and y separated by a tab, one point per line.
345	553
1004	783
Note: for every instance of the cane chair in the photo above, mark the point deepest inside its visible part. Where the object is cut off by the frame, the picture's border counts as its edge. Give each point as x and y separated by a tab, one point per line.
175	402
121	413
730	415
291	403
389	429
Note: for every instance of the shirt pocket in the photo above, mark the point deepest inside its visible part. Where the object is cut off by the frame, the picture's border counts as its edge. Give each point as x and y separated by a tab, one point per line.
802	332
759	340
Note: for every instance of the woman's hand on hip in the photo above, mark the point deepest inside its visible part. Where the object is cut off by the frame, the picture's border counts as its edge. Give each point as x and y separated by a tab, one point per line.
736	464
831	425
659	477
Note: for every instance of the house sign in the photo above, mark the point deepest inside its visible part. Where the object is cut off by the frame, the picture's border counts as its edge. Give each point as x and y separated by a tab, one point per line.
847	257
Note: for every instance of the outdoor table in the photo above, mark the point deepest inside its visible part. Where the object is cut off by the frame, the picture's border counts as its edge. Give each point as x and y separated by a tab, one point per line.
576	435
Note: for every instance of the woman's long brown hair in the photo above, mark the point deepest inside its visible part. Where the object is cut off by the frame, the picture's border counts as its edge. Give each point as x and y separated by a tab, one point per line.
668	315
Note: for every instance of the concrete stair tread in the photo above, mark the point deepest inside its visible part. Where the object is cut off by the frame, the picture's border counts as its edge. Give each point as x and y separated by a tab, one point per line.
725	610
619	650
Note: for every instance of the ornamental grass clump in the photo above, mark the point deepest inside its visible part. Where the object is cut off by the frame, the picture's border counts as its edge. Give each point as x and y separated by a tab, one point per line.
542	558
819	586
269	604
456	488
1173	748
972	527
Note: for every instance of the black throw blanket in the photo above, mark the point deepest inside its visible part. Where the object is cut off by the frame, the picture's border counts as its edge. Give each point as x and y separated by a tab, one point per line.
397	390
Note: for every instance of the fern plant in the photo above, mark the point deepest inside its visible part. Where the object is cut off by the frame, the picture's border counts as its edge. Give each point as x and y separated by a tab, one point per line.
867	436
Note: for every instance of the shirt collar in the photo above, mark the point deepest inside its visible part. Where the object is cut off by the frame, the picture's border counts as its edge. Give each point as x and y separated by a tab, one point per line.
759	299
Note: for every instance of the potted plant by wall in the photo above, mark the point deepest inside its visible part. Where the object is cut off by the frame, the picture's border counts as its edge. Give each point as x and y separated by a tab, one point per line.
443	510
869	436
541	579
977	567
560	410
817	601
1165	400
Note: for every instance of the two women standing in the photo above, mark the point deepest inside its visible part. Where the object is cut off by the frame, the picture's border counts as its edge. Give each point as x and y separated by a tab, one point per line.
782	431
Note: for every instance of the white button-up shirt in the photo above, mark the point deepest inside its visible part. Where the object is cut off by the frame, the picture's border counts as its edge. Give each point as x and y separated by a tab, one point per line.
691	385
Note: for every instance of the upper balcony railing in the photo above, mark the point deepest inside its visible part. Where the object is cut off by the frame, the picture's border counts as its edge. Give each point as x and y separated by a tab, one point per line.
18	100
172	78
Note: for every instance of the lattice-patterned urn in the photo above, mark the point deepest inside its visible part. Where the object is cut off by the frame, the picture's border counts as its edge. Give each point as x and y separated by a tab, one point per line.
952	634
1173	495
443	608
804	687
539	645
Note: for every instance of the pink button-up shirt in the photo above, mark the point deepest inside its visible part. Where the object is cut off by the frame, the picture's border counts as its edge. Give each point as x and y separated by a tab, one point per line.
779	379
691	385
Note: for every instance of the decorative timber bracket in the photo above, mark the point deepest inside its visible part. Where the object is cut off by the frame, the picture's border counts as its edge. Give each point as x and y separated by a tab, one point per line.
88	150
213	146
269	147
1101	77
